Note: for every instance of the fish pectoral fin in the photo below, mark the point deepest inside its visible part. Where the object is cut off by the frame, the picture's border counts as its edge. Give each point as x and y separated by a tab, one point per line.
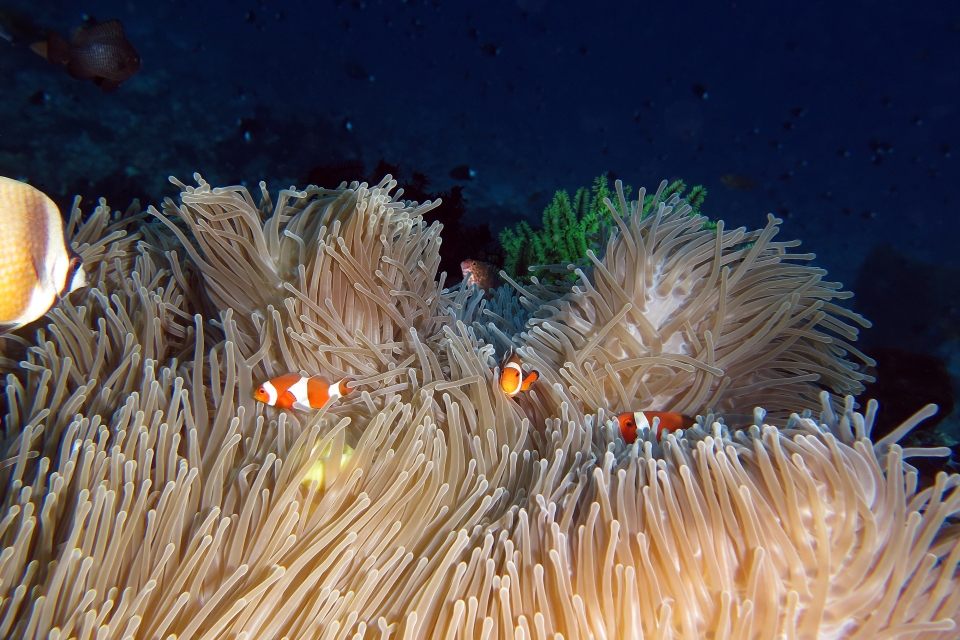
44	280
36	263
78	70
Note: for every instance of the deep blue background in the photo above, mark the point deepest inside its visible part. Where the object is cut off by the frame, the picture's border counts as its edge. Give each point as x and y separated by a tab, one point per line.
843	114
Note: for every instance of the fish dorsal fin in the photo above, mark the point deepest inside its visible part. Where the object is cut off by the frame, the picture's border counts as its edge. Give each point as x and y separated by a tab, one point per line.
107	30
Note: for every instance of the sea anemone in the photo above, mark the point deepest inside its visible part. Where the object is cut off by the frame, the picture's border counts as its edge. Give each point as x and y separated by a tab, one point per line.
151	497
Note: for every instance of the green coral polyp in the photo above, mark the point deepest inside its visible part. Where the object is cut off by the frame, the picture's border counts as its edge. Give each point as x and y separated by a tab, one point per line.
571	228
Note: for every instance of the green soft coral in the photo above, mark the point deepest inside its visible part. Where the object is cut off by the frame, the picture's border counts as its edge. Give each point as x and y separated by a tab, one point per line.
570	228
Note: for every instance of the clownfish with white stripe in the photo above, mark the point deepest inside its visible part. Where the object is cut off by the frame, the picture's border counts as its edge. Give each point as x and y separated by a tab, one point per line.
512	380
292	391
631	422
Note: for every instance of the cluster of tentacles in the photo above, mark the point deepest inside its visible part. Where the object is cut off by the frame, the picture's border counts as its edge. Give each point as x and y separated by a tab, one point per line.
149	496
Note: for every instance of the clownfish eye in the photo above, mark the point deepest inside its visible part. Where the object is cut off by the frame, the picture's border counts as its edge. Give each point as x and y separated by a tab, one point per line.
262	391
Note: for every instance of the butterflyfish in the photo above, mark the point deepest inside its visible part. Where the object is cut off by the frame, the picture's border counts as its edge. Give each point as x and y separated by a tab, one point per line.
293	391
36	268
632	421
512	380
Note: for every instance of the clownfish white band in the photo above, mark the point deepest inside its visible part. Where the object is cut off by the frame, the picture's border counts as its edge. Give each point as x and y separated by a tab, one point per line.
335	389
272	394
641	419
299	391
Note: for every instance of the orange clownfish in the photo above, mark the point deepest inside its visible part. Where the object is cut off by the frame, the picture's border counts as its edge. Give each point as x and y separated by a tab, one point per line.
294	391
511	376
631	421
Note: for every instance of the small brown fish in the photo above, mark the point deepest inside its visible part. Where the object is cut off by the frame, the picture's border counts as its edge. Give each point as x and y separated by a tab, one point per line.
482	274
100	52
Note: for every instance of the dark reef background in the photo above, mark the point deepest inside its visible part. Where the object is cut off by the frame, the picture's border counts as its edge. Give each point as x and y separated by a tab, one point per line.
842	118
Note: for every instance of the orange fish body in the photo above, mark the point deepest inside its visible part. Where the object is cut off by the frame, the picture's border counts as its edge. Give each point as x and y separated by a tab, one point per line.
631	421
512	380
36	267
100	52
292	391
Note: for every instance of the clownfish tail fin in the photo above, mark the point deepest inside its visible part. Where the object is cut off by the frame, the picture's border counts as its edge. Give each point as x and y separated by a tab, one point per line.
343	387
